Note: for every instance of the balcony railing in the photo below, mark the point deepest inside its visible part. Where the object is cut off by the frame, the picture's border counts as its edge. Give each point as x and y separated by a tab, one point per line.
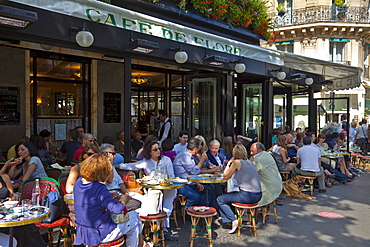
323	13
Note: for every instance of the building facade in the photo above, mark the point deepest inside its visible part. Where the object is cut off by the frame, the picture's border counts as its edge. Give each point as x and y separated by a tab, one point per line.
112	66
335	31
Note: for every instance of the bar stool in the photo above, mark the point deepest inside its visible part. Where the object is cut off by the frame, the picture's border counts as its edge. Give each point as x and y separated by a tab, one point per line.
174	212
154	224
310	181
251	210
207	215
266	211
116	243
182	200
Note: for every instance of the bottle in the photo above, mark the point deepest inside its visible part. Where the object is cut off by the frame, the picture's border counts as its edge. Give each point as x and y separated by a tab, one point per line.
36	193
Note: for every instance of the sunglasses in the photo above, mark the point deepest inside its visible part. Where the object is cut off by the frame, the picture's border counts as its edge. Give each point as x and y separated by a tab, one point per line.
156	149
88	154
112	153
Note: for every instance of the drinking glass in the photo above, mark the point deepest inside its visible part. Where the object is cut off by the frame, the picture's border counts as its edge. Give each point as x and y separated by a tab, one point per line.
27	204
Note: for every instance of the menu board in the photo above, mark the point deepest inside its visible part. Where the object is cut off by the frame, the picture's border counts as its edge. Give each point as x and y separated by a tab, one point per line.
9	106
112	107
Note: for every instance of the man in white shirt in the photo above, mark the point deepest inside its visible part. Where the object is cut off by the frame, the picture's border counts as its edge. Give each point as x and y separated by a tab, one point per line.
183	137
310	159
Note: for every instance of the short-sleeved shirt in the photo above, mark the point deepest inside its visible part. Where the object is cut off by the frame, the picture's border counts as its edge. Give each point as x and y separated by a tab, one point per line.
178	148
309	156
362	131
39	170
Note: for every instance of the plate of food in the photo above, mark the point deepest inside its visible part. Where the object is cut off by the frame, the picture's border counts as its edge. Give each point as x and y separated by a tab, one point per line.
152	182
205	175
180	180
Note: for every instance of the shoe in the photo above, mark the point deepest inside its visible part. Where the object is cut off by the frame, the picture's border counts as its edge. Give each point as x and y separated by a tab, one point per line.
279	203
234	226
322	190
168	237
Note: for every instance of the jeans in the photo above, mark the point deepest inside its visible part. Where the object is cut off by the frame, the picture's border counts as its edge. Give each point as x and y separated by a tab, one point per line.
194	196
241	196
340	177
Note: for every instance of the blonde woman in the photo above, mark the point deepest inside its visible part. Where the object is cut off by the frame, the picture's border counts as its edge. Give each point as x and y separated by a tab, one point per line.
281	155
248	180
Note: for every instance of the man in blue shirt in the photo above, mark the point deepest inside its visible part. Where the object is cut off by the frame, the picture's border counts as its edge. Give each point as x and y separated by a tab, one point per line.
184	166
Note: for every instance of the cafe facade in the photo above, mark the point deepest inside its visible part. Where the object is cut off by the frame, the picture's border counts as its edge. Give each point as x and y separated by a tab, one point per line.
112	66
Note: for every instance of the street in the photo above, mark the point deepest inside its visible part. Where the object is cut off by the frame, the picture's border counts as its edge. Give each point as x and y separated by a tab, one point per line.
299	222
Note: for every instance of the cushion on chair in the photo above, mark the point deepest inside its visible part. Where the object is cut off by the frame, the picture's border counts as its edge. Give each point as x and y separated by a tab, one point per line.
210	210
60	222
244	205
113	243
161	215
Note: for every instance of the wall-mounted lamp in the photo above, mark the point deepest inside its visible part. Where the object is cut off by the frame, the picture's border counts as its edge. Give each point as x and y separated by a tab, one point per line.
14	17
240	67
180	56
142	46
84	37
280	74
215	60
308	81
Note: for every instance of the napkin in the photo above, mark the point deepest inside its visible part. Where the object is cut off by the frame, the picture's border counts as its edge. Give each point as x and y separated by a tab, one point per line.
53	197
56	165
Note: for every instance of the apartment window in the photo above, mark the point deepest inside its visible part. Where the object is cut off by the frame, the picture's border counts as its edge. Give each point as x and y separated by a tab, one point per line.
286	46
337	50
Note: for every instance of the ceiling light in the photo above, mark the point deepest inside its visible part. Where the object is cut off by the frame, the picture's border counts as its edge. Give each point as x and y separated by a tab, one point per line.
142	46
308	81
181	57
14	17
215	60
240	67
138	80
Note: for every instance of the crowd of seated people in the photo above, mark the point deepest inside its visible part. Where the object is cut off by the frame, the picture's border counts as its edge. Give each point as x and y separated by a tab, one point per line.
255	175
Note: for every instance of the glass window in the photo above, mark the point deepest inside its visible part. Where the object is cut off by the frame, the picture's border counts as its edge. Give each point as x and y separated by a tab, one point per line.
286	48
337	54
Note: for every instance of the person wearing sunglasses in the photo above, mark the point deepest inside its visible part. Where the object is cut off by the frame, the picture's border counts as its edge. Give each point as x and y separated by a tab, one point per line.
87	139
117	185
86	152
153	161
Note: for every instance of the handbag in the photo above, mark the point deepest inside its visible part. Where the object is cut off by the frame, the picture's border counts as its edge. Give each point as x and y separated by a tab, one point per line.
232	185
53	201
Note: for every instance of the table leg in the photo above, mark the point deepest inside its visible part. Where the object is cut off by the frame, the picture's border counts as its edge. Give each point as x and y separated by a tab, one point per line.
11	236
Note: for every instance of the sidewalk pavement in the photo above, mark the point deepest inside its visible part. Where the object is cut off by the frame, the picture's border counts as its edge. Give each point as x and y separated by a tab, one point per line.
299	222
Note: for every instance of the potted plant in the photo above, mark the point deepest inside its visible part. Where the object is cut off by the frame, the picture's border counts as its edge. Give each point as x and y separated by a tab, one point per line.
340	8
281	9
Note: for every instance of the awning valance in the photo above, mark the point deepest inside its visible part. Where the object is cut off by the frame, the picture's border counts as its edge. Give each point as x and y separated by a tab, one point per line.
343	76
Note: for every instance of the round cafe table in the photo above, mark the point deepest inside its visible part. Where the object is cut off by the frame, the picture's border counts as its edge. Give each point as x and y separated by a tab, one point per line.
24	219
206	179
160	187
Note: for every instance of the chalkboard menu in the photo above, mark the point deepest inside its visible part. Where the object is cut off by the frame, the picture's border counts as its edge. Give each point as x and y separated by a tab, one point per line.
112	107
9	106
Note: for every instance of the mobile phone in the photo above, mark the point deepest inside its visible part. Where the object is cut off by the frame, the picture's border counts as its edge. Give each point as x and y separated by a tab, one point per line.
4	200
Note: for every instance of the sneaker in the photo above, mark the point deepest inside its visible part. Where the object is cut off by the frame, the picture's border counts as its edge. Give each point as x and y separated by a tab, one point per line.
322	190
234	226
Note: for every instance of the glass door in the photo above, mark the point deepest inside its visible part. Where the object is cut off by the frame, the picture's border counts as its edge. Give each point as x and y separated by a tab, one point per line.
252	110
202	106
280	111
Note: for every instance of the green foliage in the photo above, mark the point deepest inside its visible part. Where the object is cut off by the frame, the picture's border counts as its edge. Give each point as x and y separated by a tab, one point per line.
239	13
338	2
